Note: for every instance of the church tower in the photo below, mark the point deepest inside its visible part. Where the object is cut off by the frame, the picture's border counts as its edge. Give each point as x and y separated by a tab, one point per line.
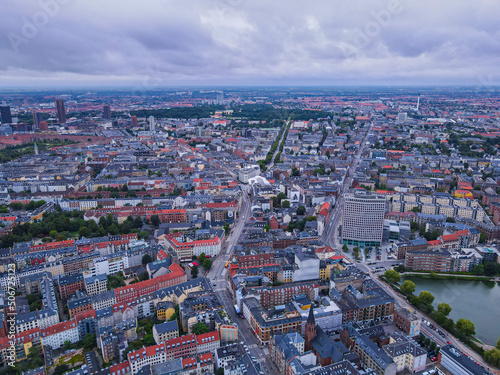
310	330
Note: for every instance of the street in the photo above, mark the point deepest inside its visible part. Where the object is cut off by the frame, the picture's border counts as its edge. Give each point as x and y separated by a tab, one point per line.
218	276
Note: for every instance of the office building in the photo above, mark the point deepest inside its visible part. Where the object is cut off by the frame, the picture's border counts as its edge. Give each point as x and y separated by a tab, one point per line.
5	115
151	121
402	117
458	363
363	220
61	111
107	112
37	119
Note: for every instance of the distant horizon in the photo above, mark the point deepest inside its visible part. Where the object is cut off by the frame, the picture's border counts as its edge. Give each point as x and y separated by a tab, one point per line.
263	86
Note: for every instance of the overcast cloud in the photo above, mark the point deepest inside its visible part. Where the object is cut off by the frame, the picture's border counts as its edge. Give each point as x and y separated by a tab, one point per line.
248	42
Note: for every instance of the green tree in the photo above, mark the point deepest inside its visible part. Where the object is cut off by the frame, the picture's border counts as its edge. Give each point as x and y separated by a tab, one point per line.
498	344
466	327
285	204
421	338
433	346
143	234
301	210
113	229
356	252
492	357
137	222
148	340
478	269
427	341
408	287
53	233
89	342
84	232
219	371
35	357
345	248
67	345
392	276
426	297
482	238
281	196
444	309
227	230
194	271
61	369
146	259
199	328
201	258
491	268
207	264
155	220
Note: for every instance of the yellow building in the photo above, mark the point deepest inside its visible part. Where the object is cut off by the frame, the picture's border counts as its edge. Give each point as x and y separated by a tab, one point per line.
165	310
463	193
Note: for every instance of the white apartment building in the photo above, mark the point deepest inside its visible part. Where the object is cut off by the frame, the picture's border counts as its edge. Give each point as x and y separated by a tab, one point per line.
363	219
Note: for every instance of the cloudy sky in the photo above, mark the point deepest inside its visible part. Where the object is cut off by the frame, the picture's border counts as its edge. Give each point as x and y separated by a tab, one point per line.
155	43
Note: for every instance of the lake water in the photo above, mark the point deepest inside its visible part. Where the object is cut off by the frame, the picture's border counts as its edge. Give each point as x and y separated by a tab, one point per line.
474	300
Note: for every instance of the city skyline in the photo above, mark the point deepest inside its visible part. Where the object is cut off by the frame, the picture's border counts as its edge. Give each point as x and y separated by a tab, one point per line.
55	43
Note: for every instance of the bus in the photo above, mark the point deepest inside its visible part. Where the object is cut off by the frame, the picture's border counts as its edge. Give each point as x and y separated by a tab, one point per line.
238	312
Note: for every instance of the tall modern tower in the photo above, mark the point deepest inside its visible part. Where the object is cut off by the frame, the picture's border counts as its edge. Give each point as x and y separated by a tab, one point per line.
37	119
220	98
107	112
61	111
363	220
5	115
151	120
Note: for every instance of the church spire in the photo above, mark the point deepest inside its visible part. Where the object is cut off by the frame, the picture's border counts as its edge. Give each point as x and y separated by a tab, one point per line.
310	331
310	318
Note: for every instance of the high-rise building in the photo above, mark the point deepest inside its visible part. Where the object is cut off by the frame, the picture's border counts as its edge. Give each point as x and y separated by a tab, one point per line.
363	220
151	120
134	122
402	117
5	115
61	111
37	119
107	112
220	98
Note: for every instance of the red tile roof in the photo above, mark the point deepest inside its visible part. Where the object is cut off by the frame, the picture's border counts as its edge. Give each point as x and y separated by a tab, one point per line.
450	237
58	328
